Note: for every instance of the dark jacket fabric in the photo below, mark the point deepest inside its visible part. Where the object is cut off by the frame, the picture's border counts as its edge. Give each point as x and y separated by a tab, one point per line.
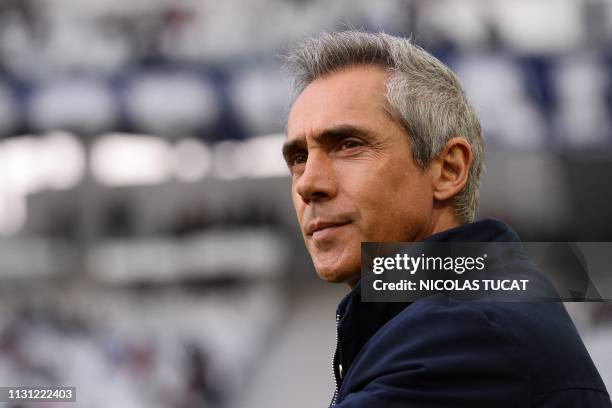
465	354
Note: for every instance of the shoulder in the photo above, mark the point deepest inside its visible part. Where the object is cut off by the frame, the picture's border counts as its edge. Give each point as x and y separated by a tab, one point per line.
516	349
441	353
439	336
527	326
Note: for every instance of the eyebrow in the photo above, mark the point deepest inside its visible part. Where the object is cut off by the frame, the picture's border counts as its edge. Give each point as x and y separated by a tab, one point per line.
327	137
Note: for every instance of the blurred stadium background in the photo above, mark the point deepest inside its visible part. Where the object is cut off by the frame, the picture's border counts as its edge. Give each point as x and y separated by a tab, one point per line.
148	252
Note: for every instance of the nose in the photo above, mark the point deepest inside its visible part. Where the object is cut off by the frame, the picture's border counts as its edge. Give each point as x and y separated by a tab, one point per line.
317	182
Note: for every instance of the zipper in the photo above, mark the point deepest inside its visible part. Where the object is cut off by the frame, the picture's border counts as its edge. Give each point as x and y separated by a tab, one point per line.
334	363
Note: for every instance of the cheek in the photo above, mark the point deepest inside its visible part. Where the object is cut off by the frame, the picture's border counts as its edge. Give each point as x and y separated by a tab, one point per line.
393	204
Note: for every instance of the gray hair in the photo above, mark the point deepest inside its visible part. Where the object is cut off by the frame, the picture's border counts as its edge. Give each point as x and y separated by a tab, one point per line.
425	95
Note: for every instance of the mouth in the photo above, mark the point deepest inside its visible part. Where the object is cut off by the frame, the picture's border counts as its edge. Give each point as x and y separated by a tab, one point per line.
319	227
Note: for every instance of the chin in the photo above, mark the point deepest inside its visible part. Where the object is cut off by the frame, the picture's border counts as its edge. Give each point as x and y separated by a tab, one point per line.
337	275
339	264
330	277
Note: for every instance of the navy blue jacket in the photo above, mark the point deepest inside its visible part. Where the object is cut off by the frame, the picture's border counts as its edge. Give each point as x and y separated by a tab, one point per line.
467	354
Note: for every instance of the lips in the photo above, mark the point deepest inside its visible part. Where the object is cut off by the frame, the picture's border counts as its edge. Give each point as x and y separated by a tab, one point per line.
318	226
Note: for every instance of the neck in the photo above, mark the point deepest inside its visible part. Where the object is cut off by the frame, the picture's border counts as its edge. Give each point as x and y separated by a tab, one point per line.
442	219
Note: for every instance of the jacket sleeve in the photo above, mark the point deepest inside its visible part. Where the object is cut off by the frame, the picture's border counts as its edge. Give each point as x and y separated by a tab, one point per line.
442	356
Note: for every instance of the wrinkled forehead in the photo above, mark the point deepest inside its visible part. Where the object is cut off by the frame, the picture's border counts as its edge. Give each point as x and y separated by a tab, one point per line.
354	96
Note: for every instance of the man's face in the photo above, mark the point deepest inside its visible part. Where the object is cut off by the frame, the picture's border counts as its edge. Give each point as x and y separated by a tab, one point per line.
353	175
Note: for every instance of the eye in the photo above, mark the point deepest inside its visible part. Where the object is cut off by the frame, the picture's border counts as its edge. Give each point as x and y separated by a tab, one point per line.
298	158
350	144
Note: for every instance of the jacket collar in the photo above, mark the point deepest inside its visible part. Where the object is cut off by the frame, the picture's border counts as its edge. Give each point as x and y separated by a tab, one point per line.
359	321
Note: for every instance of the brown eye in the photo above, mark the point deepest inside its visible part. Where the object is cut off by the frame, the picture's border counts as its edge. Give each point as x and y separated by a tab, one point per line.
296	159
350	144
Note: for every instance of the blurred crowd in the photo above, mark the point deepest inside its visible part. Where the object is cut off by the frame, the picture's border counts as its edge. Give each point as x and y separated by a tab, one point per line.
211	70
143	347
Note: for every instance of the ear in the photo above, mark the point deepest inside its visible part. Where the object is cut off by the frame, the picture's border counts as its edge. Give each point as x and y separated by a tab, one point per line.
450	168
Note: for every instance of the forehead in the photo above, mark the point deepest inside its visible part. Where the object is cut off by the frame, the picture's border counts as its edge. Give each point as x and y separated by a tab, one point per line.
353	96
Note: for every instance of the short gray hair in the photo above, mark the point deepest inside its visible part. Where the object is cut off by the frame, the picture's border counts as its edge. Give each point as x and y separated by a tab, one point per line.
425	95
